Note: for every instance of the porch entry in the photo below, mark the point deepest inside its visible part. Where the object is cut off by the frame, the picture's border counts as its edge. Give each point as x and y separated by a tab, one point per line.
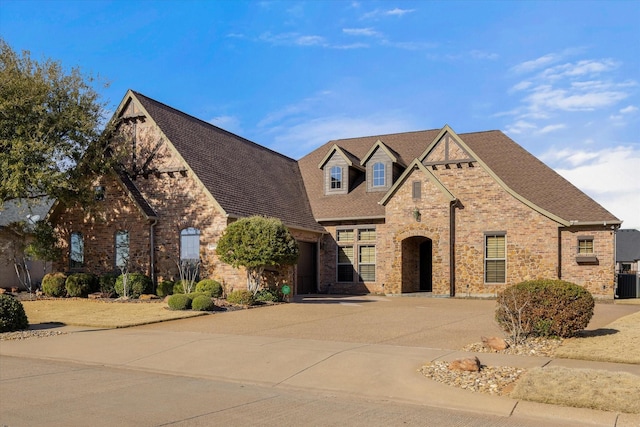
306	269
417	264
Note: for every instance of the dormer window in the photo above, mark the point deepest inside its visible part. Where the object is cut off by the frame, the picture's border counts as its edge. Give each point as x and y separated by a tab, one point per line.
378	175
336	177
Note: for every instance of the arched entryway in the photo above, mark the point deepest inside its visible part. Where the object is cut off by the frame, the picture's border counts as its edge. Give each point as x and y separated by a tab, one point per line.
417	264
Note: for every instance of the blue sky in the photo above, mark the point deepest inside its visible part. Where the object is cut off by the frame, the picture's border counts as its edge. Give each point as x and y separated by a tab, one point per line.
559	77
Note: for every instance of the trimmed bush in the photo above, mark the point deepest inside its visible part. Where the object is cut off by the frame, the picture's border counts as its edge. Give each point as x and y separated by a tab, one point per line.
547	308
80	284
53	284
137	284
107	284
202	303
268	295
241	296
12	315
179	302
209	285
164	288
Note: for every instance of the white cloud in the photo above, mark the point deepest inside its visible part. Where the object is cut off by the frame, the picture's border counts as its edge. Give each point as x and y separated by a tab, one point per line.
629	109
228	123
389	12
519	127
479	54
580	68
294	39
551	128
609	176
367	32
535	64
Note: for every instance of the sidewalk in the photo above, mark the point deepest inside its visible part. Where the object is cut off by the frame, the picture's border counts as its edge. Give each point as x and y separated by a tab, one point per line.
373	371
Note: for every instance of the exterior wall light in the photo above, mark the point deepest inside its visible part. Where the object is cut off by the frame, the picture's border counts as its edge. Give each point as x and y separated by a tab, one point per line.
416	214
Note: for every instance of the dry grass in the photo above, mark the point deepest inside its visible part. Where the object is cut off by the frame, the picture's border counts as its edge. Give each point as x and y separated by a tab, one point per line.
619	342
100	314
582	388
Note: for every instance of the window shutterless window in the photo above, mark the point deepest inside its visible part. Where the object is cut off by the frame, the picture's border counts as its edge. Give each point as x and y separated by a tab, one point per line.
345	263
416	190
495	258
336	177
367	263
585	245
358	242
122	248
76	250
378	175
189	244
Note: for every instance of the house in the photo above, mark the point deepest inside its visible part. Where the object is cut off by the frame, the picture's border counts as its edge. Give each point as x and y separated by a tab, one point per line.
428	211
23	214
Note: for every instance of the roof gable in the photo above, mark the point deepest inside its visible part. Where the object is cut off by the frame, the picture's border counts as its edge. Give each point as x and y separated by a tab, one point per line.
417	165
379	145
349	158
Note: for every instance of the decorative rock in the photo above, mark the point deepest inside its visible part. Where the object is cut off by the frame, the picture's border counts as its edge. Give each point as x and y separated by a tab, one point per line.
471	364
2	290
494	343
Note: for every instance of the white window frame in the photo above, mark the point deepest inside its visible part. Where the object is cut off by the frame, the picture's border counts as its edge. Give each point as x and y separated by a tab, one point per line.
379	176
495	258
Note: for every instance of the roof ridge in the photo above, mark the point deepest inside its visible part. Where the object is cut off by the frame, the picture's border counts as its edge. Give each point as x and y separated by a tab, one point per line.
205	123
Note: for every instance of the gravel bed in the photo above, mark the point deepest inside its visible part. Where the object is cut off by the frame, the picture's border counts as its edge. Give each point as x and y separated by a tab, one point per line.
495	380
29	333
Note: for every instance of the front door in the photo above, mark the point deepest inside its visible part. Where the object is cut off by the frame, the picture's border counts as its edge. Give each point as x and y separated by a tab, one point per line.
306	269
426	284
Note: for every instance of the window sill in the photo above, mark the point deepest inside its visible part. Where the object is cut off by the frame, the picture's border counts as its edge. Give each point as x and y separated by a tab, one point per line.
587	259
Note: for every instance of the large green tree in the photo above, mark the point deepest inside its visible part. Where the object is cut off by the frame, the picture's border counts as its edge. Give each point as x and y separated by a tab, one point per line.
256	243
50	128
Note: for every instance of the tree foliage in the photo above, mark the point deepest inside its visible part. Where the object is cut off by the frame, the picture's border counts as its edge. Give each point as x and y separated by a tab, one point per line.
255	243
49	121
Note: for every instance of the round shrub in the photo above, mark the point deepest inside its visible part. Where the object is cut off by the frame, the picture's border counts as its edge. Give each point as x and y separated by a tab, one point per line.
211	286
179	302
12	315
107	284
137	284
241	296
267	295
80	284
53	284
164	288
548	308
202	303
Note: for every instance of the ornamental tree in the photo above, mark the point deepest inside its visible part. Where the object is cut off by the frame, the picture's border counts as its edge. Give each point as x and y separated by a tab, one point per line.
255	243
50	128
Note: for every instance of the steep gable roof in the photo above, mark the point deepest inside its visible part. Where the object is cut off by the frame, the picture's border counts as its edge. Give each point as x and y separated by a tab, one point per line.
243	177
349	158
521	173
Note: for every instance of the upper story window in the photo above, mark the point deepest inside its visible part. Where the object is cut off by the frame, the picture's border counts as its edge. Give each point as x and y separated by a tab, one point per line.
379	175
189	244
122	248
76	250
336	177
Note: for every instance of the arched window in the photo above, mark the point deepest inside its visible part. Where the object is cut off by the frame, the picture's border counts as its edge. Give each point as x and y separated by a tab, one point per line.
378	175
76	250
189	244
122	248
336	177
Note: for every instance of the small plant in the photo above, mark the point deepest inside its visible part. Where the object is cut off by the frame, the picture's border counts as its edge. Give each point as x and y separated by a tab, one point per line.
137	284
211	286
241	296
165	288
179	302
80	284
544	308
202	303
107	283
53	284
267	295
178	288
12	315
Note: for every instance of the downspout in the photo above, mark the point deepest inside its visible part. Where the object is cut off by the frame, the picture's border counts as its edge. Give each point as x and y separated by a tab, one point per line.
152	251
452	247
559	253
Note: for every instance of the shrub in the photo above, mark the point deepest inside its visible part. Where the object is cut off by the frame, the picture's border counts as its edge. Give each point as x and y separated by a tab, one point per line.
267	295
544	308
107	284
137	284
179	289
179	302
53	284
202	303
211	286
241	296
80	284
12	315
164	288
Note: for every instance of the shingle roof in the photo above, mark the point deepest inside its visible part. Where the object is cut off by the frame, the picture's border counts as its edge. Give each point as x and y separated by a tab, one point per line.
627	245
244	178
518	169
17	210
